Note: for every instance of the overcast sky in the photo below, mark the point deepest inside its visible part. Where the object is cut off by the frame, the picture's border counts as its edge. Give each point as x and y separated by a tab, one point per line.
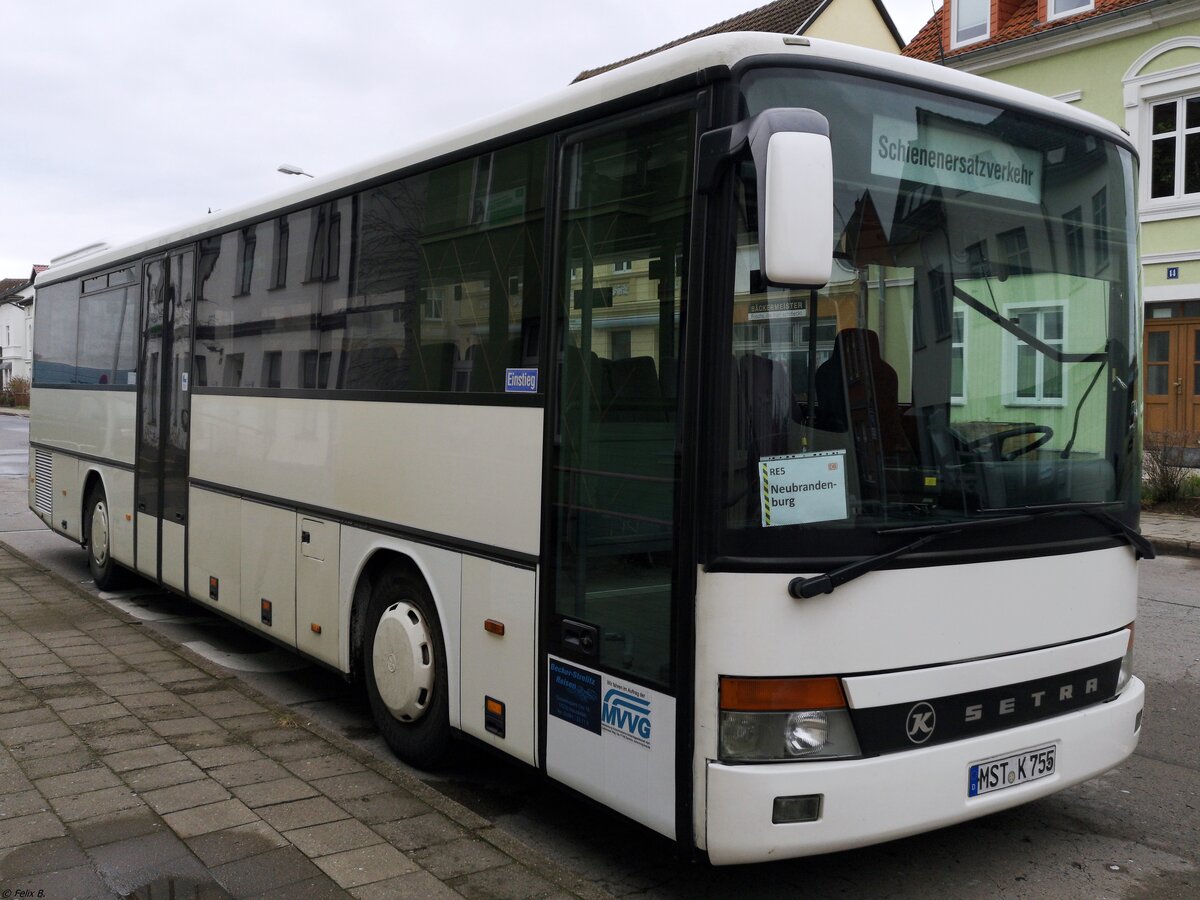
121	118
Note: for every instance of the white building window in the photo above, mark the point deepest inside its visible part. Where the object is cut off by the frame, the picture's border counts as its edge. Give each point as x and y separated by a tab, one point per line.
1060	9
1033	377
1175	148
1162	114
969	22
435	305
958	358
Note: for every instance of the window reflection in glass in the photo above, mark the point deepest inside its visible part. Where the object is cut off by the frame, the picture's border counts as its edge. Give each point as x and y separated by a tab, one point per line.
450	277
444	293
978	338
623	239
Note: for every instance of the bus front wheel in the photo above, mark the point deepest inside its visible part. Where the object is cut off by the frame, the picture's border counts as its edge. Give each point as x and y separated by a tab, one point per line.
404	667
105	571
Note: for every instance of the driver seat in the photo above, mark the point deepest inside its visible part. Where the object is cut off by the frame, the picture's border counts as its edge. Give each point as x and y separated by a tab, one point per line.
858	391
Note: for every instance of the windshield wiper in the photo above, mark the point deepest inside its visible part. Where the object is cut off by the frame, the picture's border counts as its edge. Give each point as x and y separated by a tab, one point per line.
804	588
1097	509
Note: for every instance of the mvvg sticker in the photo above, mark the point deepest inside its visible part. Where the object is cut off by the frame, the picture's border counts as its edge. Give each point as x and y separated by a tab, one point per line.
627	713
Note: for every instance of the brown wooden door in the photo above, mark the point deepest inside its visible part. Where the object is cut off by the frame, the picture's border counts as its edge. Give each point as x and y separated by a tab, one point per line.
1189	391
1172	386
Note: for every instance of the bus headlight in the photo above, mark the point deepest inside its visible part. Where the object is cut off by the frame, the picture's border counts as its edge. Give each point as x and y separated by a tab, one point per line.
777	719
806	732
1127	663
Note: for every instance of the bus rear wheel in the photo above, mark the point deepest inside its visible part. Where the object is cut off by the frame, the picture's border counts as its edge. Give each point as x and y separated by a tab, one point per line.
403	661
105	571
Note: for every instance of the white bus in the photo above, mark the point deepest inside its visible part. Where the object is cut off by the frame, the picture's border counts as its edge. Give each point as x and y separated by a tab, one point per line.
747	438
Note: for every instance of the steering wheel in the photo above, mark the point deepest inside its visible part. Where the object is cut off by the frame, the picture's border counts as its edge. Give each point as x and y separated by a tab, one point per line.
996	441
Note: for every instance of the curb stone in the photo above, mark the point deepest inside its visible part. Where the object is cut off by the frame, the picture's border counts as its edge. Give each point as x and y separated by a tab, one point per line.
1175	547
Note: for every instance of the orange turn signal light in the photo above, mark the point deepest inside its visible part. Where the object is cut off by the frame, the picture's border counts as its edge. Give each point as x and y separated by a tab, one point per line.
780	694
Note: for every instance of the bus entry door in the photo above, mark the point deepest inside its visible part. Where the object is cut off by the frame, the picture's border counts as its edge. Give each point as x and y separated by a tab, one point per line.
610	669
164	368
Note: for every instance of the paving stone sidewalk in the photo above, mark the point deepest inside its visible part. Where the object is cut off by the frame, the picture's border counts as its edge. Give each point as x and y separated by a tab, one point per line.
131	767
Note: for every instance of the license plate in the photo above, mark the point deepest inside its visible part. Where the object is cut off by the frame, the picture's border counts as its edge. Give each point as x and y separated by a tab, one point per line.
1008	771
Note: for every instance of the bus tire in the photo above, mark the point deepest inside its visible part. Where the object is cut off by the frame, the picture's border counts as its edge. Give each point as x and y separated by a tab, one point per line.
403	664
97	520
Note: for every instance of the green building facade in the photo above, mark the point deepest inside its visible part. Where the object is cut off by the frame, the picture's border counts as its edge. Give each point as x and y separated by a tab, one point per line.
1136	64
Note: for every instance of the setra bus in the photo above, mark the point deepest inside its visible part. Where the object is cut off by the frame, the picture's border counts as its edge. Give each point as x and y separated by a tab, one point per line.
747	438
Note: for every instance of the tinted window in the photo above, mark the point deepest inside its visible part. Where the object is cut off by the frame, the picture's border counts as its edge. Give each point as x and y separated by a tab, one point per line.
623	232
450	277
107	337
259	317
980	358
426	283
57	311
90	339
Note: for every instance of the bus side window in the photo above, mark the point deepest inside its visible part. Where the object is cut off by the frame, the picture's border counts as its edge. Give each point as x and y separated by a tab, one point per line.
449	264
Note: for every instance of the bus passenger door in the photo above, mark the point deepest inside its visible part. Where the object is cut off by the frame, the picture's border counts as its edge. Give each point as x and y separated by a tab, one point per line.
610	669
164	412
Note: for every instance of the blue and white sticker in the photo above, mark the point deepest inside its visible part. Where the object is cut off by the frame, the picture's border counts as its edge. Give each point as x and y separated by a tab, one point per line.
627	712
520	381
574	695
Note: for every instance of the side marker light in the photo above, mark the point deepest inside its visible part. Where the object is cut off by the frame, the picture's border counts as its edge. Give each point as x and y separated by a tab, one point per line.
493	716
806	808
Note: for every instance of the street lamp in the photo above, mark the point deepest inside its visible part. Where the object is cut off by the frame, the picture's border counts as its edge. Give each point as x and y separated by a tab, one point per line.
288	169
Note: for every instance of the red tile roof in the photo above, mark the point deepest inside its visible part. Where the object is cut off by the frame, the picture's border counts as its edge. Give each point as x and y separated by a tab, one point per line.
928	42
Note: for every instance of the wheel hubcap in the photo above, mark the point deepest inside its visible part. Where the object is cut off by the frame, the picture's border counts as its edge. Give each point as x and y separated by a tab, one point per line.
99	534
402	659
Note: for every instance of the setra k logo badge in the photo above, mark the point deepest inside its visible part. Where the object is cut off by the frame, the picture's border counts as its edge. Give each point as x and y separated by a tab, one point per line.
921	722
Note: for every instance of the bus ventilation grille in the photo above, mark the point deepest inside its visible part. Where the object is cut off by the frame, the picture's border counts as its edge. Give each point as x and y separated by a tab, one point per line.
43	479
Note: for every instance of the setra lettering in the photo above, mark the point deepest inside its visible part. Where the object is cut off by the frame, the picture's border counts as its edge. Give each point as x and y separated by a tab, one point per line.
1016	703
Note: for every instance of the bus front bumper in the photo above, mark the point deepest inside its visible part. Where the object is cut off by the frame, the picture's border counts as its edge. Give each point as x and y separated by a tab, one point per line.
867	801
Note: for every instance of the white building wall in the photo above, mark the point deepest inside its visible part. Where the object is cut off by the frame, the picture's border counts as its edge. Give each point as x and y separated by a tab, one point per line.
16	339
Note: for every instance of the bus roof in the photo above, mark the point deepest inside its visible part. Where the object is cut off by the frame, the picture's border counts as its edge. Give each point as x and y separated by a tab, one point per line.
717	52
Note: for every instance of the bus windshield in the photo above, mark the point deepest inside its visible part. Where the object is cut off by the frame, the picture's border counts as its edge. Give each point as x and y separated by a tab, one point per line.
974	353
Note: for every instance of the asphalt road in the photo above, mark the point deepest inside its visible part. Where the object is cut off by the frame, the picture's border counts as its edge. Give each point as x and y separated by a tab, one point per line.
1134	832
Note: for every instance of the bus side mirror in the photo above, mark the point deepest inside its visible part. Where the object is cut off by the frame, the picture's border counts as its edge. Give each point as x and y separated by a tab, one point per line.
793	160
795	216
